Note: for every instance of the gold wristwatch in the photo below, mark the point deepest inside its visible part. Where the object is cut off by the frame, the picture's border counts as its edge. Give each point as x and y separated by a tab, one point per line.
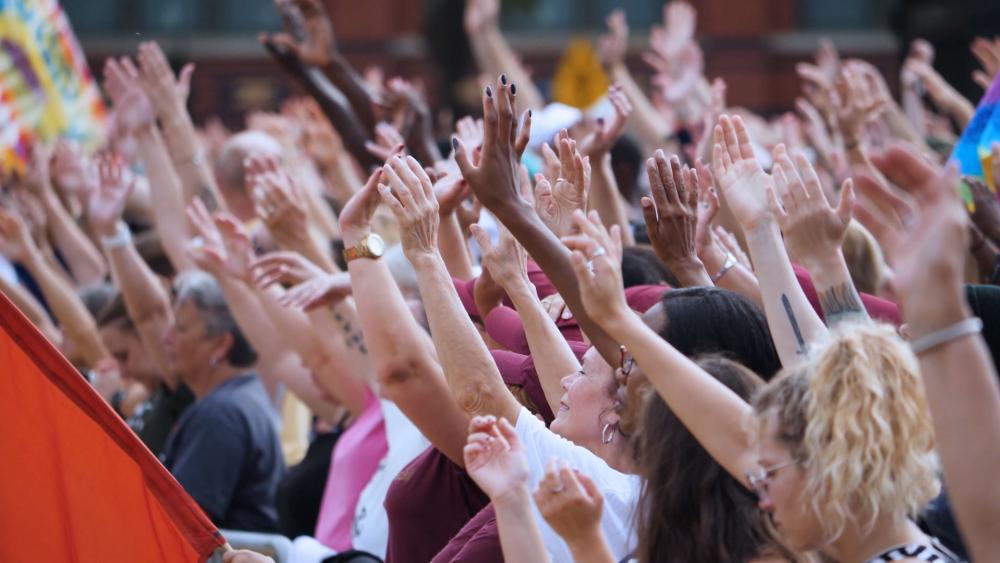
372	246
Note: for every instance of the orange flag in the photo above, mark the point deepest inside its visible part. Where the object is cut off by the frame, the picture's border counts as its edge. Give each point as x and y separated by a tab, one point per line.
76	484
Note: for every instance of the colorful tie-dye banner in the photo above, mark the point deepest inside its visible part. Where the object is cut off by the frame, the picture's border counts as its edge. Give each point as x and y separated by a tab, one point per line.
973	148
46	89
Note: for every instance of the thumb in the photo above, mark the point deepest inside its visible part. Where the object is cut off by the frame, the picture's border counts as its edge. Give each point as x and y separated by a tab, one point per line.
184	78
462	157
588	486
845	208
482	239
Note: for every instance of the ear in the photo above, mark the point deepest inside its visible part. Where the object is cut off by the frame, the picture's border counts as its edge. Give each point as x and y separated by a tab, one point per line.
221	345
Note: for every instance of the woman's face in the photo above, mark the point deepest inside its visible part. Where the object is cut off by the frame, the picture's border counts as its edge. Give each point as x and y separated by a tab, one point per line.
587	403
781	493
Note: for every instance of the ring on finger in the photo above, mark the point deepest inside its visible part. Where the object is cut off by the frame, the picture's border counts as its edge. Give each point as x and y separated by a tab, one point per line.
558	489
599	252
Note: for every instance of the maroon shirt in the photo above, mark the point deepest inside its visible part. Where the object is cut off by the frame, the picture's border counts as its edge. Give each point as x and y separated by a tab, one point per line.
477	542
427	504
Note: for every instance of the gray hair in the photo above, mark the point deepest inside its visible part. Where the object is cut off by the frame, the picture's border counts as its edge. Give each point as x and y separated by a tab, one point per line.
204	292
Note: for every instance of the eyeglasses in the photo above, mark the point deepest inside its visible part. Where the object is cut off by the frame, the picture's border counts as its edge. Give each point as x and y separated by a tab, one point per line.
758	479
625	362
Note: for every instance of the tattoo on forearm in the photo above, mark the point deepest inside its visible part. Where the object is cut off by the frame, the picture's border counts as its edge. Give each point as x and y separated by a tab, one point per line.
800	343
207	196
352	338
841	303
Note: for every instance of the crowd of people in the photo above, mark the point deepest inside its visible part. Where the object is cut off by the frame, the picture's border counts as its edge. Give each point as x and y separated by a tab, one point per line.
661	329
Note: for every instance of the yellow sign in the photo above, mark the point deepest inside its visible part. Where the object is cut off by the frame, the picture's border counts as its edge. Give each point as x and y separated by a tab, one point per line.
579	80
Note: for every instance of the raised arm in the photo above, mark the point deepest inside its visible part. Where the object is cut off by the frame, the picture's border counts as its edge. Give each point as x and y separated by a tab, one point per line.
77	325
331	100
553	358
121	81
645	120
146	300
495	182
671	215
31	308
470	371
712	412
169	97
604	194
794	324
83	259
492	52
928	253
402	355
814	233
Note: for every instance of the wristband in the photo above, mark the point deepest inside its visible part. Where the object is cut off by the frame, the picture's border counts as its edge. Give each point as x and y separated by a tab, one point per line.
971	325
122	237
726	266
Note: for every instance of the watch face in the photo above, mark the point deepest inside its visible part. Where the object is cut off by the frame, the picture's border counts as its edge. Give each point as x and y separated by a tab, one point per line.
375	245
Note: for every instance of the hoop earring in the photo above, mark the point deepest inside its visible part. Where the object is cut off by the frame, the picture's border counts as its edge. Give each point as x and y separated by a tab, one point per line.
608	433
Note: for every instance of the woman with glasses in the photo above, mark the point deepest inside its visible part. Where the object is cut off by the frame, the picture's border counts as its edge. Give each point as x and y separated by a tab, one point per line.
838	447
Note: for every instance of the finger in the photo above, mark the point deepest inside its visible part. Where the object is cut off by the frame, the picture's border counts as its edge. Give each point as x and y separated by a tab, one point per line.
774	205
400	189
390	200
491	126
482	239
521	142
579	263
811	183
656	188
743	138
507	125
650	217
462	158
589	487
845	206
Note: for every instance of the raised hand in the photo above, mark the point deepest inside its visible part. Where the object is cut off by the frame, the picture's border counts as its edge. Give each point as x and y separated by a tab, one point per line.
599	141
283	267
408	192
106	204
814	231
708	207
308	33
470	131
319	291
740	176
388	142
679	20
613	45
132	108
987	52
15	237
557	202
450	188
494	458
571	503
480	14
167	94
924	231
72	170
277	200
506	262
220	246
671	214
597	262
356	216
496	179
858	103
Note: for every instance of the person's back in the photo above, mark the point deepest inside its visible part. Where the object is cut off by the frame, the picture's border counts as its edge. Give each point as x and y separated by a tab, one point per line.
226	454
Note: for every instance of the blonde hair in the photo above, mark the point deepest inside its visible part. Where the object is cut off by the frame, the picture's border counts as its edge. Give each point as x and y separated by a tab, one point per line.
864	258
856	419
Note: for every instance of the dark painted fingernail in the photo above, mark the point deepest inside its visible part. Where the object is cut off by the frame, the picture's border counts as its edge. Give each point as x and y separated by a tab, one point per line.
489	93
529	113
454	143
503	79
513	88
600	121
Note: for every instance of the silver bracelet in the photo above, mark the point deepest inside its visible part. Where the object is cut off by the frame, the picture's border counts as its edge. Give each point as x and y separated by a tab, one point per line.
122	237
971	325
726	266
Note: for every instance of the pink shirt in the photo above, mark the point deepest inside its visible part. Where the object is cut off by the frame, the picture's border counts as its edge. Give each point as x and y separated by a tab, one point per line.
355	459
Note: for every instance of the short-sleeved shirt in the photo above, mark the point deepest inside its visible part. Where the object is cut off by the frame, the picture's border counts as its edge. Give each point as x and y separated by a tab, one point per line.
430	500
620	490
160	414
225	452
477	542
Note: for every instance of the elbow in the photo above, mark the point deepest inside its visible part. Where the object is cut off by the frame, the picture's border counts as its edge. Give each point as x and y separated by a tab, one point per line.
474	397
396	372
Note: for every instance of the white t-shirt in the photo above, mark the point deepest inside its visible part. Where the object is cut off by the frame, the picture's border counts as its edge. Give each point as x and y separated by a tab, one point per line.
370	529
620	490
